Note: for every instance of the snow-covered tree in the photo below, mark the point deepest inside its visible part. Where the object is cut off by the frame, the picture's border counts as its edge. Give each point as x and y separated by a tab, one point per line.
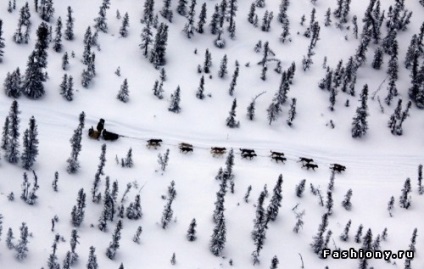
345	235
167	214
200	93
346	203
360	124
114	244
134	210
191	232
12	144
92	259
2	44
405	198
100	21
174	106
123	94
318	243
22	246
202	19
231	119
73	163
46	10
275	203
57	46
157	55
69	31
30	145
78	211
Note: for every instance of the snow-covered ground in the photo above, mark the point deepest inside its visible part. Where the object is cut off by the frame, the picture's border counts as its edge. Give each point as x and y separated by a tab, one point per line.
377	165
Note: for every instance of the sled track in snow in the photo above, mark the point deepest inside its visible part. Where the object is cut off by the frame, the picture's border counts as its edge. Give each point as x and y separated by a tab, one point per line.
324	159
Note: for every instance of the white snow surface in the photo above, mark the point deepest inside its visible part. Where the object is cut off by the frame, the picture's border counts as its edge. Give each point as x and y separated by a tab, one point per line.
377	165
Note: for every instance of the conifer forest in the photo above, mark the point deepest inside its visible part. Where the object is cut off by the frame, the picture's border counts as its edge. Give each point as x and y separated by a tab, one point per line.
211	134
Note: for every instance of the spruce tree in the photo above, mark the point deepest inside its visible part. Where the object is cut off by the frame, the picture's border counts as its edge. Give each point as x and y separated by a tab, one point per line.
214	24
390	205
73	163
292	112
231	119
202	19
24	15
46	10
189	26
208	62
420	179
260	222
69	31
12	145
64	85
346	203
300	188
2	44
13	84
30	145
92	259
191	232
148	11
318	243
69	93
181	8
9	7
166	11
272	112
251	110
223	67
146	39
100	21
274	263
231	14
22	246
234	81
52	261
275	203
251	15
167	214
329	203
359	234
114	244
65	61
376	243
78	211
134	210
136	237
9	239
123	31
33	86
5	134
174	106
57	46
360	124
218	238
73	242
378	59
157	55
367	241
405	114
345	235
260	3
200	91
327	21
123	94
405	198
355	26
